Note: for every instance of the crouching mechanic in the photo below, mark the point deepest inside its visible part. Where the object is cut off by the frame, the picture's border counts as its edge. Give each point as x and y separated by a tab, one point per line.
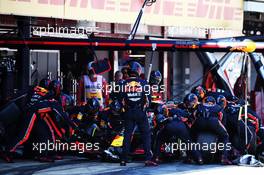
235	125
90	86
208	118
176	123
87	120
38	124
135	100
113	115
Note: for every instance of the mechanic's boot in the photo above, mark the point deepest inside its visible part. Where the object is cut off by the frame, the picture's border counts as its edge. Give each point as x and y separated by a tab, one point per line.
57	157
123	163
235	154
225	161
261	157
200	161
188	160
7	157
158	160
44	159
150	163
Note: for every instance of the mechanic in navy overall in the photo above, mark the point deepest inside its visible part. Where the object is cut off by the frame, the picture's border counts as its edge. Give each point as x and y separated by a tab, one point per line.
135	99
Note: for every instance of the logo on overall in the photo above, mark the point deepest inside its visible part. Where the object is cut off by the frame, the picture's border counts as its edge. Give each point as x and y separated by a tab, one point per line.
134	90
134	84
97	86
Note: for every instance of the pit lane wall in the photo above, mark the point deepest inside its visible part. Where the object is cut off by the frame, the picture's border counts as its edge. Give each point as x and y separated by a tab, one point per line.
194	13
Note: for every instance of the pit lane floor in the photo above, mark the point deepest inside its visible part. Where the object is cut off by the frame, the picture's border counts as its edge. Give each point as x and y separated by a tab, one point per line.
74	166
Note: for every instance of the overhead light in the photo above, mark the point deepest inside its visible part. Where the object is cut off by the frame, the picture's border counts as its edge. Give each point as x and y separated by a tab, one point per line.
137	56
7	49
258	33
